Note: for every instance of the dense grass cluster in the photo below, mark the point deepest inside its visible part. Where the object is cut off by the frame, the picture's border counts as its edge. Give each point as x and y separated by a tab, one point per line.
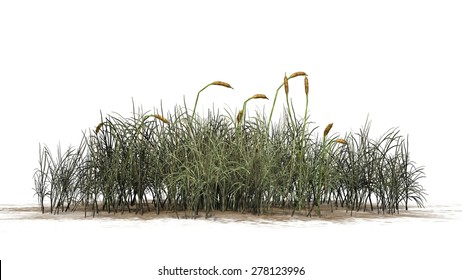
187	164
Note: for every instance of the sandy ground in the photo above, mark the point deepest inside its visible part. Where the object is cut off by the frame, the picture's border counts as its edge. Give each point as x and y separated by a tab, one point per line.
327	214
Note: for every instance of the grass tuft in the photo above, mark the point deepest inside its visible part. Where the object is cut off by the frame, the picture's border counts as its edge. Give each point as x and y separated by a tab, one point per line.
223	162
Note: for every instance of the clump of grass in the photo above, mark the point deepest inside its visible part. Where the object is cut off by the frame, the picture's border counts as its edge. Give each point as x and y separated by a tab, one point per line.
187	164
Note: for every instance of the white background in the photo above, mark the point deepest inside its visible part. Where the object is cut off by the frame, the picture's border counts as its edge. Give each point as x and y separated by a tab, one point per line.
61	62
64	61
399	62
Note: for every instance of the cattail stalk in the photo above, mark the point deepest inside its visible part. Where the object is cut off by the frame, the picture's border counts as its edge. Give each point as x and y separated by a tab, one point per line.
323	169
305	119
256	96
306	108
216	83
286	88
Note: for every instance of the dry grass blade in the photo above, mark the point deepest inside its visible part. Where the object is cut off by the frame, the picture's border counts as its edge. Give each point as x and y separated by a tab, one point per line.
259	96
296	74
161	118
239	116
98	127
286	84
307	87
327	129
223	84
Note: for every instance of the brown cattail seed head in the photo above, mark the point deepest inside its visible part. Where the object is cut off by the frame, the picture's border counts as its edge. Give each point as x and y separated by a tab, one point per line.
341	141
161	118
296	74
98	127
286	84
259	96
223	84
239	116
327	129
307	87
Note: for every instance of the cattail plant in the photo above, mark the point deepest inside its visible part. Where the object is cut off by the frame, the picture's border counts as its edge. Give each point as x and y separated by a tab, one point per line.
302	172
286	88
323	168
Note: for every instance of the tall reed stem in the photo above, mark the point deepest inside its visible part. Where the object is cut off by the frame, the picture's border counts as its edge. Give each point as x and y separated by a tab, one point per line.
217	83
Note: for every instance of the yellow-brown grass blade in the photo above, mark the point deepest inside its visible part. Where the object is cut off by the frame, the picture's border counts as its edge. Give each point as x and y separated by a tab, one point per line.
239	116
296	74
307	87
223	84
327	129
286	84
98	127
259	96
161	118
